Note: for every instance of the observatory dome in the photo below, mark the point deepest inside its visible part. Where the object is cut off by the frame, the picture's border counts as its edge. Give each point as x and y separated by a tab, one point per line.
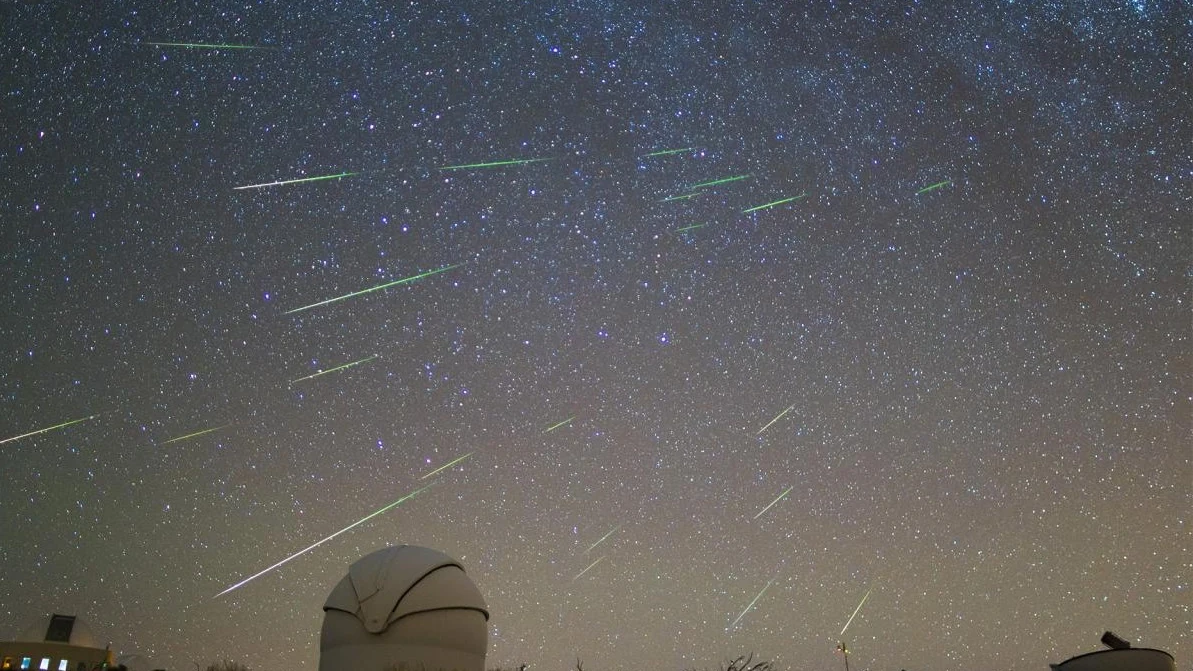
404	607
60	629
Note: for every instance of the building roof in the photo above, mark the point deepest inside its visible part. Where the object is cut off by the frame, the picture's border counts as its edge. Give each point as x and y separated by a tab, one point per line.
66	629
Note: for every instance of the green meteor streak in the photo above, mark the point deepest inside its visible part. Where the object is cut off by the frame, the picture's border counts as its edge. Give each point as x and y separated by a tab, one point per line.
355	524
668	152
203	45
332	370
379	287
726	180
933	187
773	204
602	540
447	465
685	196
48	428
587	569
777	418
743	613
772	503
193	435
494	164
688	228
320	178
551	428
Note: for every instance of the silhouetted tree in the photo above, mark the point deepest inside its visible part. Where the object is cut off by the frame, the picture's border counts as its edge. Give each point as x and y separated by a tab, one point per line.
746	663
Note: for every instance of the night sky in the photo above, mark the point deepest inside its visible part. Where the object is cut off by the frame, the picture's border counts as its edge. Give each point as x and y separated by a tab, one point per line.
955	357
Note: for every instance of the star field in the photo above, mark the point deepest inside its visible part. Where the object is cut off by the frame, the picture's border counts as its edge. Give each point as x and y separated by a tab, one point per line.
960	343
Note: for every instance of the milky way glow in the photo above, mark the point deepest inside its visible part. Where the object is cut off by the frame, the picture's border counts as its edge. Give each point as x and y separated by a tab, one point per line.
885	295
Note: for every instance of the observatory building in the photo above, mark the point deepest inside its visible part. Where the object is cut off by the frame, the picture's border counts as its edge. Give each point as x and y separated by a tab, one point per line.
55	643
1120	657
404	608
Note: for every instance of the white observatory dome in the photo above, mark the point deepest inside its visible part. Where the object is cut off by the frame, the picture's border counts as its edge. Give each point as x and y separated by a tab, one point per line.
61	629
401	608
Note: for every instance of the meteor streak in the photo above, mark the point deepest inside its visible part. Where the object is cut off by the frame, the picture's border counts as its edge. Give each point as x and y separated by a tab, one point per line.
855	611
772	503
551	428
725	180
668	152
204	45
743	613
685	196
933	187
688	228
332	370
320	178
193	435
447	465
602	540
777	418
48	428
494	164
574	578
773	203
357	523
379	287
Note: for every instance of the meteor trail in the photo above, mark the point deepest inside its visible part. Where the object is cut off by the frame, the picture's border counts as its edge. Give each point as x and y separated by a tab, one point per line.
773	204
772	503
203	45
494	164
688	228
743	613
312	547
602	540
777	418
725	180
447	465
855	611
933	187
193	435
574	578
668	152
320	178
551	428
48	428
685	196
379	287
332	370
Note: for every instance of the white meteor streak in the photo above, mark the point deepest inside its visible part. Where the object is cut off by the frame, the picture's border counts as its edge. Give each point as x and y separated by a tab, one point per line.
337	368
48	428
294	181
855	612
772	503
577	576
743	613
777	418
315	545
565	422
602	540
